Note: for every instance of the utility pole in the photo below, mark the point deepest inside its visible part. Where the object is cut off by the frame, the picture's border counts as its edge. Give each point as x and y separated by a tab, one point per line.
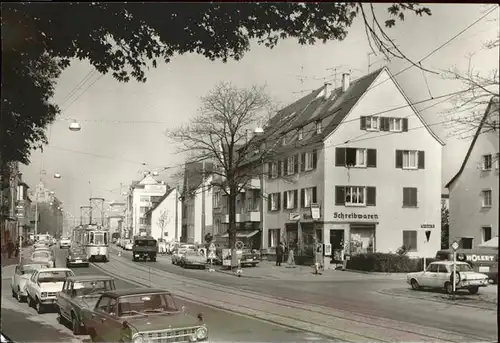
176	213
203	202
261	206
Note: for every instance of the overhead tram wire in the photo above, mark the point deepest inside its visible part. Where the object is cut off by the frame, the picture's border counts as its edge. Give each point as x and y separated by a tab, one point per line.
79	86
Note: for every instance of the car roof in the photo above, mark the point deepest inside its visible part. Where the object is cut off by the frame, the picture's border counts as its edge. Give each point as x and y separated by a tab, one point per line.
24	263
89	278
448	262
135	291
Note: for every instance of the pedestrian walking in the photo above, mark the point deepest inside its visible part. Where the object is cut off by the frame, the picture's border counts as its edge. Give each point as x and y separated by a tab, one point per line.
10	248
280	249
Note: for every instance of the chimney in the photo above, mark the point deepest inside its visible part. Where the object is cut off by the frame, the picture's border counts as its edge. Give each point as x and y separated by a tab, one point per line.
345	82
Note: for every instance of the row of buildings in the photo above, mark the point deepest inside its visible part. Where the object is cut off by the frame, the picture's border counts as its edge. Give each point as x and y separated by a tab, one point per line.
355	166
20	205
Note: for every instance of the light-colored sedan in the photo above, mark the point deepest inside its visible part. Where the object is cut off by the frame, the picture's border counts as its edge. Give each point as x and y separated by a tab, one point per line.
193	259
128	246
43	256
439	275
41	244
177	255
21	276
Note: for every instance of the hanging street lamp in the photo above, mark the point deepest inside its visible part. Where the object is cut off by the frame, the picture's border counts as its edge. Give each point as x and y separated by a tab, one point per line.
75	126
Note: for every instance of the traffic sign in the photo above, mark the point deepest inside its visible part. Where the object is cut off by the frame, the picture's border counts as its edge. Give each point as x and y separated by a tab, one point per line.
211	254
455	245
239	245
212	247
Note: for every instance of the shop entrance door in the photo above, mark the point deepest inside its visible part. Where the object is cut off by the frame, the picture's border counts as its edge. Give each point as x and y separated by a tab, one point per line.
337	242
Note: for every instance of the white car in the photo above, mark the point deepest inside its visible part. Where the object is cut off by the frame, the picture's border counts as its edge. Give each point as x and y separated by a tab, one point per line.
43	286
22	275
41	244
43	256
128	246
177	255
440	275
64	243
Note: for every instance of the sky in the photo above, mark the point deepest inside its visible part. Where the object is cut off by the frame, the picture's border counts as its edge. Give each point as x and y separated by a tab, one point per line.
123	124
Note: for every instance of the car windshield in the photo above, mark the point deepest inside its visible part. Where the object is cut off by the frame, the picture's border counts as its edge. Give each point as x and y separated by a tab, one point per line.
86	288
193	253
145	243
146	304
54	275
30	268
463	268
40	255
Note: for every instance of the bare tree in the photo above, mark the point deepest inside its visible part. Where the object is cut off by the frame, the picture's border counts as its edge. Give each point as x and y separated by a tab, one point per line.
219	134
468	108
163	221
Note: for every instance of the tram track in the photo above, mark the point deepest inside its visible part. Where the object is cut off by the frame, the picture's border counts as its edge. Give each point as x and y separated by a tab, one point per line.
320	319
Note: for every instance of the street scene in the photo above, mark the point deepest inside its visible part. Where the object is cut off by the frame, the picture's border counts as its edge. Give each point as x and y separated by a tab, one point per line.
300	172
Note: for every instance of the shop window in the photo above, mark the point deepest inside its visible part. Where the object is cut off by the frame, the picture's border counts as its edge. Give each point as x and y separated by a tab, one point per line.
410	240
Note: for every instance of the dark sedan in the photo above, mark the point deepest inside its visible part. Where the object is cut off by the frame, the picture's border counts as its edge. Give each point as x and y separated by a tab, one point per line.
77	257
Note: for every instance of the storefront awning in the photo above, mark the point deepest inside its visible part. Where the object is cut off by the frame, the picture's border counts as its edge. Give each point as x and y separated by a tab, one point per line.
492	243
242	234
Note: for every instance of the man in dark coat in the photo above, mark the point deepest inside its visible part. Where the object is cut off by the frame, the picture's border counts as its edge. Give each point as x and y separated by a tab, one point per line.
280	249
10	248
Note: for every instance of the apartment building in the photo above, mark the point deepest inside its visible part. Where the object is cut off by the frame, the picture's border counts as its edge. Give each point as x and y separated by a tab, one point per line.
197	206
474	189
165	218
362	154
141	197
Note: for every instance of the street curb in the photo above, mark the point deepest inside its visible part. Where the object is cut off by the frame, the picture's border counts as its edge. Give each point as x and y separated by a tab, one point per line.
444	301
374	273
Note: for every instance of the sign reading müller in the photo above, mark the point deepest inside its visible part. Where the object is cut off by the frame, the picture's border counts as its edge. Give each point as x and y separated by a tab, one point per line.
342	215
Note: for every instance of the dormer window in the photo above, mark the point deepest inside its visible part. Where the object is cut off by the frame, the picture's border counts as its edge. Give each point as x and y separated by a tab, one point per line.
319	127
283	140
301	133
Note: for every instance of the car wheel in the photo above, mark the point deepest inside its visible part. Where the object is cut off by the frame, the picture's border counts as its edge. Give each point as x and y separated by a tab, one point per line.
30	302
448	287
414	285
473	290
39	307
19	297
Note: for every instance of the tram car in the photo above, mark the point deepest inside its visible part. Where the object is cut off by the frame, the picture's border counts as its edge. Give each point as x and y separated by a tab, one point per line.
78	234
96	242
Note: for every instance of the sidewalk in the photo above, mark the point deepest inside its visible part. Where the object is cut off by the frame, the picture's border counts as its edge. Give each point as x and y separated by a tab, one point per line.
269	270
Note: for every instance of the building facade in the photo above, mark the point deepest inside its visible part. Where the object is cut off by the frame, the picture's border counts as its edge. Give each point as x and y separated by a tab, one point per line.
474	189
115	215
142	195
363	155
165	218
197	202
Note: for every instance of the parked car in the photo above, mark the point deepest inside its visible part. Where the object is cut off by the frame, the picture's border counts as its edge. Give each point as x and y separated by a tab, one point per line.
41	244
77	257
43	256
249	258
65	242
21	276
79	294
43	286
142	315
177	254
194	259
440	275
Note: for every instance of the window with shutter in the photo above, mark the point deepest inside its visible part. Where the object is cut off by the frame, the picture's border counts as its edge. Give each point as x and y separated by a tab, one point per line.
339	195
371	158
371	196
355	196
410	240
405	124
280	168
308	193
340	157
302	200
295	198
315	159
296	164
362	123
285	200
410	197
421	160
308	161
303	161
269	170
314	196
270	202
301	133
285	167
372	123
278	203
399	159
395	124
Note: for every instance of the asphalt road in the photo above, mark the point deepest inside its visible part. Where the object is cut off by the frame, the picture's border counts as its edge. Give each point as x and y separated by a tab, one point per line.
364	298
22	324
